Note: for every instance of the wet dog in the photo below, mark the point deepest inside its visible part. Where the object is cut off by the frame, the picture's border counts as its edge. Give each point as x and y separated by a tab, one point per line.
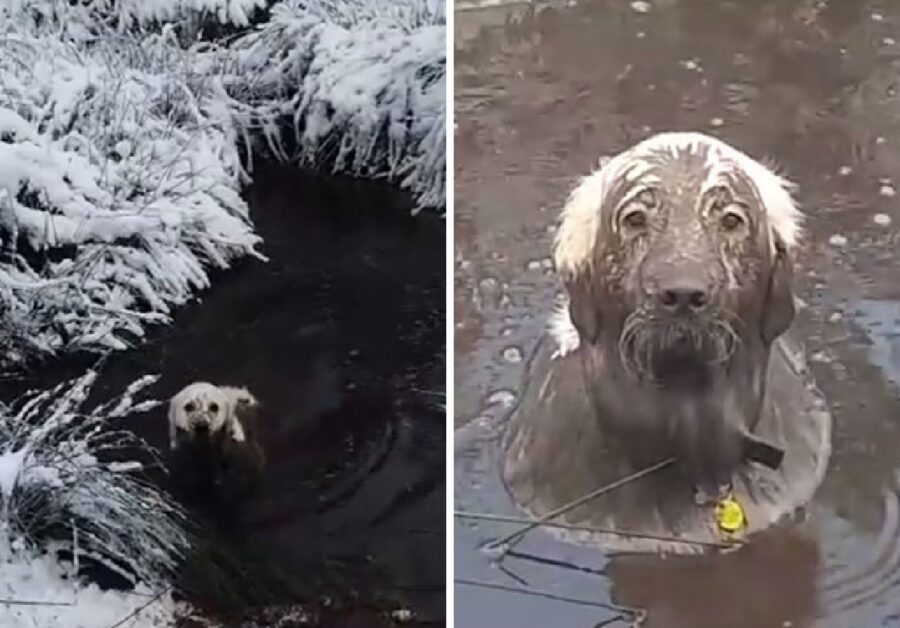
214	440
676	258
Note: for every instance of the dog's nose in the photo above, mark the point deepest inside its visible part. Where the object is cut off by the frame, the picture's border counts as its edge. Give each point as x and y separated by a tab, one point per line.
683	298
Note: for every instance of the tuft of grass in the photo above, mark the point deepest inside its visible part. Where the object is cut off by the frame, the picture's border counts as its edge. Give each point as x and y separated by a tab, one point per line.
349	86
119	187
124	144
55	488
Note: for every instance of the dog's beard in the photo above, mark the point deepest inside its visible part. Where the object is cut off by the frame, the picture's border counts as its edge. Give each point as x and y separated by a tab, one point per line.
675	350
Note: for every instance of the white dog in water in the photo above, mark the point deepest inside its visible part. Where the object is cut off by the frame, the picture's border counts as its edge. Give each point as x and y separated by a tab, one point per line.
215	443
204	407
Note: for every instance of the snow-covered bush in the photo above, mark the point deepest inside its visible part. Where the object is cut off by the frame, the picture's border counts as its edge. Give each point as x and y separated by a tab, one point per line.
122	151
132	12
119	185
359	86
60	483
94	17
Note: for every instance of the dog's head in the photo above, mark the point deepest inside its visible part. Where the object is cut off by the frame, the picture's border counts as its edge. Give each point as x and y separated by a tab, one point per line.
199	409
676	253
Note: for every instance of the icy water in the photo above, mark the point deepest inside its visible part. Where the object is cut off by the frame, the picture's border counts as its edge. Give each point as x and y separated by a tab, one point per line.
543	90
341	337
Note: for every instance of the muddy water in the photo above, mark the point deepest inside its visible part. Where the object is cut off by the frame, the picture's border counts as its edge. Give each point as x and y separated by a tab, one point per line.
544	90
341	337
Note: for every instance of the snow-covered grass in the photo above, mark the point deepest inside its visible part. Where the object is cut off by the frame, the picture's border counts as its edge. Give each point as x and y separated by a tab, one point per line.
87	18
351	86
37	590
120	150
60	491
119	186
140	12
52	478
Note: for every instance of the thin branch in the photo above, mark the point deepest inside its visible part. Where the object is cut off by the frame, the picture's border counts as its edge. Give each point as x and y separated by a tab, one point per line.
639	615
33	603
581	500
552	562
586	528
140	608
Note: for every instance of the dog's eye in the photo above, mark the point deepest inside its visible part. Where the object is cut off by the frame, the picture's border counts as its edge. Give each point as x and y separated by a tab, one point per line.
647	198
634	215
190	406
634	218
214	407
731	220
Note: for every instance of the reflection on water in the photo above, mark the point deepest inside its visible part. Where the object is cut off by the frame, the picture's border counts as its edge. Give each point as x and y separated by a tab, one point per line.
881	320
543	92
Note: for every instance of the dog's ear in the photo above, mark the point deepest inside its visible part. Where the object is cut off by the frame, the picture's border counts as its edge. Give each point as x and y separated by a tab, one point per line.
173	440
778	308
582	306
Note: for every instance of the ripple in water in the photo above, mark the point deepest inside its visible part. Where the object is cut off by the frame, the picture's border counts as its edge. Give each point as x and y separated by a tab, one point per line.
876	575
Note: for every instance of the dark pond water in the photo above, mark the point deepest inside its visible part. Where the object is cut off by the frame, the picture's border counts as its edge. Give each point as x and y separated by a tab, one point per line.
341	336
543	90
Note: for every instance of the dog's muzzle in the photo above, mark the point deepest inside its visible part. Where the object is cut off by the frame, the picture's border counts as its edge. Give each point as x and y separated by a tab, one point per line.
200	425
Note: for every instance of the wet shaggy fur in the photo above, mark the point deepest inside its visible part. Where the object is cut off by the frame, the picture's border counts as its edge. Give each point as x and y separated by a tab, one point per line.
584	216
204	407
676	257
688	287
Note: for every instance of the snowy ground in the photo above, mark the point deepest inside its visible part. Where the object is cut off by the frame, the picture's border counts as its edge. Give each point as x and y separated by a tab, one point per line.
39	591
56	494
122	158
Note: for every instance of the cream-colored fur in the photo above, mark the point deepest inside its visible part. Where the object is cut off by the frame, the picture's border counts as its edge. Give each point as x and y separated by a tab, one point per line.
574	246
577	234
202	403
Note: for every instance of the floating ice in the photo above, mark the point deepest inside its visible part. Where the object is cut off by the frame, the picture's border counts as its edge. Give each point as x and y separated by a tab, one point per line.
402	615
503	398
641	6
513	355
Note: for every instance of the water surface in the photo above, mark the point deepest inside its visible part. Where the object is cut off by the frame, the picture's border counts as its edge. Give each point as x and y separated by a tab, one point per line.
340	335
545	90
